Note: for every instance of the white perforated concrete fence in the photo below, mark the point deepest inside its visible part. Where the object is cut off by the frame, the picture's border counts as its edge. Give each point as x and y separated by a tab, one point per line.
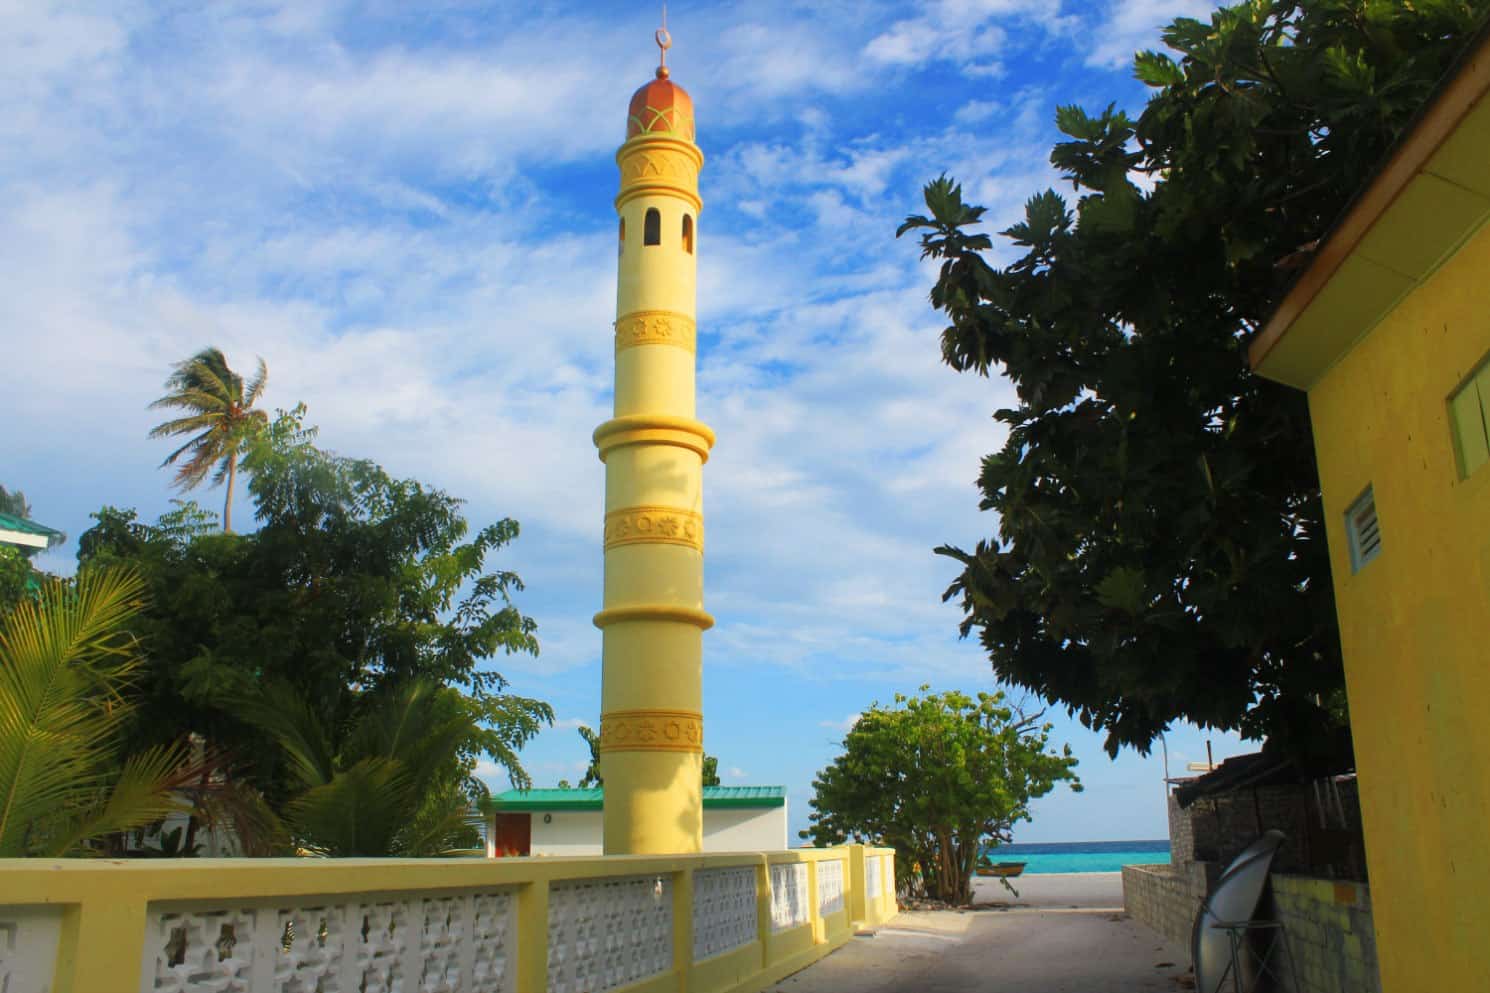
708	923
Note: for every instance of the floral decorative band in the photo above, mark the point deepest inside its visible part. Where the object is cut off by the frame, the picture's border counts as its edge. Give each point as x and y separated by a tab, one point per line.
652	731
654	525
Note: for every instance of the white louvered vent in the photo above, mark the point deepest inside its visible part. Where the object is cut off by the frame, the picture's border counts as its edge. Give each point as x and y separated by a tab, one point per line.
1364	530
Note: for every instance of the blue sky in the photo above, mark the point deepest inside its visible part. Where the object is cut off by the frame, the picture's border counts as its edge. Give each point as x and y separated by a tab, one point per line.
406	210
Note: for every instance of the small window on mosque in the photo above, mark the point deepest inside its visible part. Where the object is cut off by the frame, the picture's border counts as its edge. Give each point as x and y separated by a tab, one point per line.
623	230
652	227
688	233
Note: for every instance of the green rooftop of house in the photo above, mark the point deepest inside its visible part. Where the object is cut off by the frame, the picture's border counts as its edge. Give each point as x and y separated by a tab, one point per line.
20	531
591	799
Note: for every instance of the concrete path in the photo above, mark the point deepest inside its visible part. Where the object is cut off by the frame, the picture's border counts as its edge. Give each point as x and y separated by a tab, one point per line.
1065	934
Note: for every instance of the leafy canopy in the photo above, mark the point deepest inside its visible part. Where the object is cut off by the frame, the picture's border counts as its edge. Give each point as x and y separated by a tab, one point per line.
592	777
1161	553
16	577
355	586
939	777
14	502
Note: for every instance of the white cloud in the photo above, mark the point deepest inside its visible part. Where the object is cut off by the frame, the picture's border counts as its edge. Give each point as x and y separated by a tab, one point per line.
969	33
1131	26
985	70
411	233
845	725
906	42
543	774
459	343
975	111
736	773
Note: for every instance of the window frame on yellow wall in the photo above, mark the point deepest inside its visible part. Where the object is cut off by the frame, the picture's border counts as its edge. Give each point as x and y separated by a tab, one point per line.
1469	409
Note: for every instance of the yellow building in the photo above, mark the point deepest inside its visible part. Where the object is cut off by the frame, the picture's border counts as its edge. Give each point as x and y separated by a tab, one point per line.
1389	332
651	720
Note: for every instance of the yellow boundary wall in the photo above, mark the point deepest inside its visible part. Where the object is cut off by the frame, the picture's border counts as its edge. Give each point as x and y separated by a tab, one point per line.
105	907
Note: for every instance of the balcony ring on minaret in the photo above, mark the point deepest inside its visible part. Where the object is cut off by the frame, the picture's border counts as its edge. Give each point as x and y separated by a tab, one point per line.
701	619
654	429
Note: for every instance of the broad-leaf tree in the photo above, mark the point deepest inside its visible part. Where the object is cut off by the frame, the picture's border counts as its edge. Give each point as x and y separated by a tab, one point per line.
354	585
14	502
16	577
940	777
219	416
592	776
1160	552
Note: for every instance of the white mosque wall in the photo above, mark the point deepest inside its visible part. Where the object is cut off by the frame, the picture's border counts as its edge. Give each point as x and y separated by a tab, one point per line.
745	829
728	829
568	832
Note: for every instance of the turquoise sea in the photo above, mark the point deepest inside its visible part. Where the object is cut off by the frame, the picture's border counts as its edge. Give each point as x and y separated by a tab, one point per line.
1083	856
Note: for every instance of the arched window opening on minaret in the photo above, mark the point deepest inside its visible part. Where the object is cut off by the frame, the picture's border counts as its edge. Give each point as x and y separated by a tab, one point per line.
652	227
623	230
688	233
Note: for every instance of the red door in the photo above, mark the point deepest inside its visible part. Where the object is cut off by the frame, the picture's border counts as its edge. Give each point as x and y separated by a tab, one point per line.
514	835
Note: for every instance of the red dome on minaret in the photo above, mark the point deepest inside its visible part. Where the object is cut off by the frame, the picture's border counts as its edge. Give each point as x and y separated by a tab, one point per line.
662	107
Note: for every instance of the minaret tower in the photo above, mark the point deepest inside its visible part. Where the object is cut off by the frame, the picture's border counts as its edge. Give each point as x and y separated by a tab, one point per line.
652	624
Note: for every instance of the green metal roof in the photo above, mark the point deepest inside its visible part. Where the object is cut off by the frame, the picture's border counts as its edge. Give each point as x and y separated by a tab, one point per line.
10	522
26	533
715	797
744	796
548	799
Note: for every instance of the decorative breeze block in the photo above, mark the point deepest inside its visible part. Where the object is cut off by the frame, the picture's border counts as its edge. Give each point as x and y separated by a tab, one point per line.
724	910
789	896
440	944
606	933
829	887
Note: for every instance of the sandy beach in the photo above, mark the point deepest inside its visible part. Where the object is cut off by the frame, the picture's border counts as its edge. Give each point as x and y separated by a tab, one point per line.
1072	890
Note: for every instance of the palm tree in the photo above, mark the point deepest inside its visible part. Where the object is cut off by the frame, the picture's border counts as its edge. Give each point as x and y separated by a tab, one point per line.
220	408
64	662
389	784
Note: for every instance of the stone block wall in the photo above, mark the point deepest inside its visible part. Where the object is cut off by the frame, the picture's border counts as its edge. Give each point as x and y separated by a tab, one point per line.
1222	826
1167	897
1181	832
1327	922
1329	930
1319	842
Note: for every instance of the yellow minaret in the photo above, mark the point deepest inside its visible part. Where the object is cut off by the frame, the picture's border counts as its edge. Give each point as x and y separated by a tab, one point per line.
652	624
